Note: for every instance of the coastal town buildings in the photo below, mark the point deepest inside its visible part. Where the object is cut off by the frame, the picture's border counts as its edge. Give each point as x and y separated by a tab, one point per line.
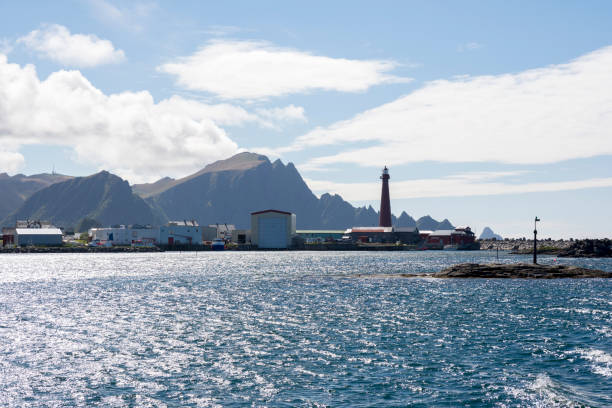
180	232
385	232
272	229
32	233
316	236
459	237
122	235
241	236
387	235
218	231
174	232
48	236
8	236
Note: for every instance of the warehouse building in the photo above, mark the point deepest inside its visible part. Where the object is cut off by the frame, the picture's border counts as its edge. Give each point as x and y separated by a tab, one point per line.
272	229
50	236
8	236
384	235
180	233
316	236
460	237
218	231
121	235
241	236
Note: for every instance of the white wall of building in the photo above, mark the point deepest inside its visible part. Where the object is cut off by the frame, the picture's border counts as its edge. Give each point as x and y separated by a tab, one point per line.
125	235
180	234
272	229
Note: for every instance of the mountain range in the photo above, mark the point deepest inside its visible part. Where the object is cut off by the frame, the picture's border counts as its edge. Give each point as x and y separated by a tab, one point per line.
226	191
16	189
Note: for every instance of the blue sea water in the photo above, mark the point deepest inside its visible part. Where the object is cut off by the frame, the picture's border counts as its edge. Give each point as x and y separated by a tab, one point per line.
297	329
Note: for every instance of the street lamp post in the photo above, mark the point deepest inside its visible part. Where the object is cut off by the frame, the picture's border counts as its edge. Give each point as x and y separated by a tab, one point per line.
535	240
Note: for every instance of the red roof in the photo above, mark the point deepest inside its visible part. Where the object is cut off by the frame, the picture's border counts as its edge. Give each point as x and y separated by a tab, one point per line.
274	211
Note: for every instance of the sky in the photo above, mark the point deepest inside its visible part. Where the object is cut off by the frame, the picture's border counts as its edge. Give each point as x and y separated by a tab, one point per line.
487	113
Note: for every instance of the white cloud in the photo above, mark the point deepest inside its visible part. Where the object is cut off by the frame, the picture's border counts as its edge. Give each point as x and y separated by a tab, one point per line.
256	69
231	115
470	46
287	113
470	184
55	42
6	46
126	133
542	115
224	30
132	15
11	162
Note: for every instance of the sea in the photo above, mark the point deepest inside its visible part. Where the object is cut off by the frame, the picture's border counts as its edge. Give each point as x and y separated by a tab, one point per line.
298	329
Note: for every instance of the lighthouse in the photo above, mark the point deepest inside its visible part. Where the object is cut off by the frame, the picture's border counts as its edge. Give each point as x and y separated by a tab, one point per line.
385	203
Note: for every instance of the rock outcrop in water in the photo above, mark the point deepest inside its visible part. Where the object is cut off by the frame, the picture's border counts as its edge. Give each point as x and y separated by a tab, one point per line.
503	271
520	270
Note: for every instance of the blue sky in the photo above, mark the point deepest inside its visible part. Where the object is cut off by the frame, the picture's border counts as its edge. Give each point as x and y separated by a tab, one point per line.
487	113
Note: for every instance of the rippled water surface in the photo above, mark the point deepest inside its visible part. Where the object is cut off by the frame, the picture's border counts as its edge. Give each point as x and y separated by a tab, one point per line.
297	329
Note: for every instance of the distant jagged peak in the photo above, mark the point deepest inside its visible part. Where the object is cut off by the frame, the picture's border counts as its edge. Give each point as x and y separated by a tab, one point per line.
329	196
426	218
428	223
487	233
445	224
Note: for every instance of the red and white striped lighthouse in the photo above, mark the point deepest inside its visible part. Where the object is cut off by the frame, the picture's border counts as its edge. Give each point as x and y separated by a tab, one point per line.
385	203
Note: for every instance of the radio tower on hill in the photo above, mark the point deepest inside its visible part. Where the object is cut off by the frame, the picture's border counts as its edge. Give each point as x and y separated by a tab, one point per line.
385	204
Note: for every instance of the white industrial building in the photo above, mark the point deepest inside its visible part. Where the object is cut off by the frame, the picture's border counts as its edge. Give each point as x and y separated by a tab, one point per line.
180	233
50	236
272	229
175	232
241	236
218	231
122	235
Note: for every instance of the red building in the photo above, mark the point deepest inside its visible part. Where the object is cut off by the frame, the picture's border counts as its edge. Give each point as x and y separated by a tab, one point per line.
460	237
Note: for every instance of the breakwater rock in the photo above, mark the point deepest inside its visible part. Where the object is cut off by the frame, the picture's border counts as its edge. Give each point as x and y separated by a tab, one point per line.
582	248
525	246
520	270
589	248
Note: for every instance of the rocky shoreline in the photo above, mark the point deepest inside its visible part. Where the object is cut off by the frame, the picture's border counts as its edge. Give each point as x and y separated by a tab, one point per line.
504	271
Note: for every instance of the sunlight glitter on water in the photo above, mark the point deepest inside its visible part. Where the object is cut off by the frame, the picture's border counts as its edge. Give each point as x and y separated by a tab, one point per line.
290	329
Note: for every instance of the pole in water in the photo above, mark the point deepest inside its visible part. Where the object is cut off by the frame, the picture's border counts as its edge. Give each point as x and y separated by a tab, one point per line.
535	240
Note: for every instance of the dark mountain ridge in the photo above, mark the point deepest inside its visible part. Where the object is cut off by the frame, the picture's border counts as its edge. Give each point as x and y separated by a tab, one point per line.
226	191
102	196
16	189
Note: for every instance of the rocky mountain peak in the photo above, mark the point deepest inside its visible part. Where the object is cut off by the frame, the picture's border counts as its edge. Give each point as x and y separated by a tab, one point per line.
487	233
